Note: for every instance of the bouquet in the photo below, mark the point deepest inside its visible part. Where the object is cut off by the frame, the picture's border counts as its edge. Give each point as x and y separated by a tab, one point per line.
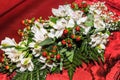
75	33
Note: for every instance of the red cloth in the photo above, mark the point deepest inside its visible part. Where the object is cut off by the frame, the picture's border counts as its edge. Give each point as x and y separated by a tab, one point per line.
17	10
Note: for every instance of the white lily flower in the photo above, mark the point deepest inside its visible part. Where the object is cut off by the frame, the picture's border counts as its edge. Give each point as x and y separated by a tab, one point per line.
81	20
99	39
71	23
51	34
60	26
42	60
76	15
86	29
13	54
25	64
39	33
98	23
36	49
60	12
8	42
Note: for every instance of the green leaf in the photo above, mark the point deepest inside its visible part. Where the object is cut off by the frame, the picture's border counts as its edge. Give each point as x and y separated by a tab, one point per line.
70	55
90	21
47	41
53	19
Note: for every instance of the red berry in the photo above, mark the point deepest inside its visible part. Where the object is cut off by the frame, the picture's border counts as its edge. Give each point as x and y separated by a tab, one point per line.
23	21
52	55
69	45
55	47
54	51
58	56
72	36
65	32
63	42
77	28
44	54
78	38
68	41
72	5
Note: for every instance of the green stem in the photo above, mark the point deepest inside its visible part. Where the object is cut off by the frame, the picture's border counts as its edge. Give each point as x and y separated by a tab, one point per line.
38	75
31	76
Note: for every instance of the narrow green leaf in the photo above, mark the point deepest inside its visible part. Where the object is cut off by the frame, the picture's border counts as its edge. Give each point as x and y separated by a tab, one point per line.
47	41
70	55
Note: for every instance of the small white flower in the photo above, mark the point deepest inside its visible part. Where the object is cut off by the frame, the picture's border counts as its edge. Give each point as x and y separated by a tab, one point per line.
98	23
36	49
42	60
25	64
8	42
13	54
71	23
86	29
39	33
60	26
99	39
81	20
51	34
60	12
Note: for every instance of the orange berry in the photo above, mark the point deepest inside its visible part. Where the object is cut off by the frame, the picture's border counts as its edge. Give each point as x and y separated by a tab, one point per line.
29	21
72	36
28	27
54	51
48	57
68	41
78	38
7	67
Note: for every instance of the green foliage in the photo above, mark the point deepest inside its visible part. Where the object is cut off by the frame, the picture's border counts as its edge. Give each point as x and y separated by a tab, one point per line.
90	20
47	41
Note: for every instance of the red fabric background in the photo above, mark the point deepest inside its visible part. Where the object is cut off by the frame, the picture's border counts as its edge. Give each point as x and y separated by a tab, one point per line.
12	12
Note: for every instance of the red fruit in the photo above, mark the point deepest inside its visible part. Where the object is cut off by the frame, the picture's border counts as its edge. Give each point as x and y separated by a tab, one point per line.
7	67
52	55
77	28
58	56
72	36
65	32
84	5
69	45
68	41
63	42
78	38
44	54
48	57
54	47
72	5
23	21
54	51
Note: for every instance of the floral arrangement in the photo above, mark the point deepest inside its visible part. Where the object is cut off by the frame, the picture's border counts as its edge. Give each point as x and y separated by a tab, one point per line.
74	34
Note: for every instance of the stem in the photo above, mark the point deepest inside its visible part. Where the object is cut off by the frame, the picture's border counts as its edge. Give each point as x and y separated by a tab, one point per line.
37	75
31	76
